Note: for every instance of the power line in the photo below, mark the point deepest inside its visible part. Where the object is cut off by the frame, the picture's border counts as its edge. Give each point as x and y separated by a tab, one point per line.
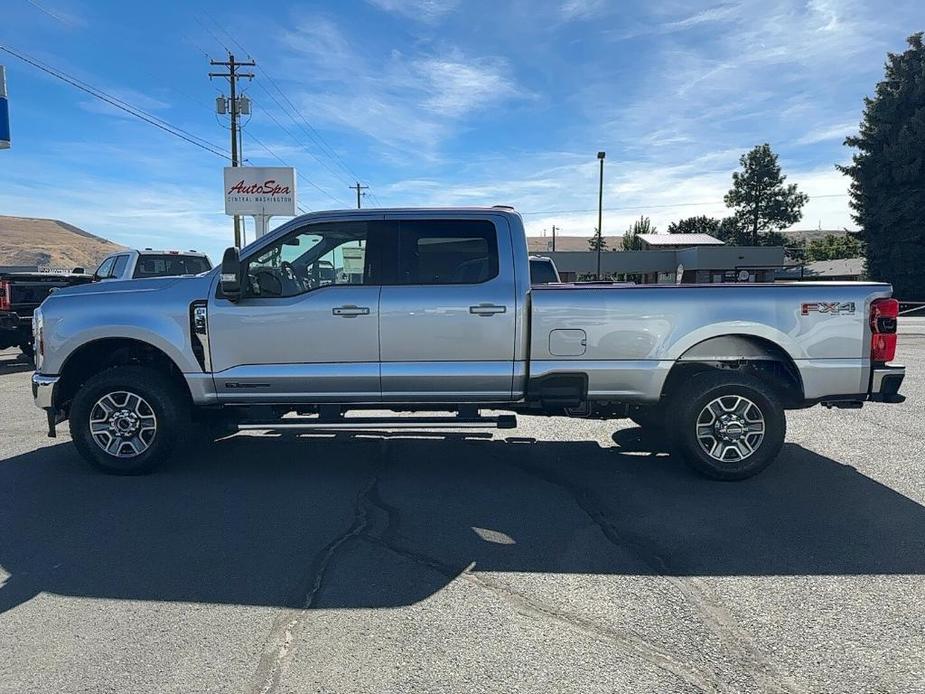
50	13
336	174
292	112
286	130
360	194
119	103
652	207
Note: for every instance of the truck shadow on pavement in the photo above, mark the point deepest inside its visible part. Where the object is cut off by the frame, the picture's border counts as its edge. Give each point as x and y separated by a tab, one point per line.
354	521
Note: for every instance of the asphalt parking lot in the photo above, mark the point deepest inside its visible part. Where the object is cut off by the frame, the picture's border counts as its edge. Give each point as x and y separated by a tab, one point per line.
563	556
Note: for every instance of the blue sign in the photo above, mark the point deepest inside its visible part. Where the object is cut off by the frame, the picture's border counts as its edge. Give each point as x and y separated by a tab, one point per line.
4	112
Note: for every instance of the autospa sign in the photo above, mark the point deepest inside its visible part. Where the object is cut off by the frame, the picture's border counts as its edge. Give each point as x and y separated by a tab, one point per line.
260	191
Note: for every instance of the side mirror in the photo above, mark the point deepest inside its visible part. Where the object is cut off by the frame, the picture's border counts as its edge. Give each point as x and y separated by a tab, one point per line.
231	274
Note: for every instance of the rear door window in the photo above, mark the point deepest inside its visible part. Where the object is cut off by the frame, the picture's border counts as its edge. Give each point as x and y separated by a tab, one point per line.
167	265
119	266
447	251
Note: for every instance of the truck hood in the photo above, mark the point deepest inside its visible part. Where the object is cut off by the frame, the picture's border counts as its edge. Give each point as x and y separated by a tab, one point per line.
153	284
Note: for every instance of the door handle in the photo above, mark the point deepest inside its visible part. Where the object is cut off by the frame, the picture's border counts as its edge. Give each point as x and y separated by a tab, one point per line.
350	311
487	309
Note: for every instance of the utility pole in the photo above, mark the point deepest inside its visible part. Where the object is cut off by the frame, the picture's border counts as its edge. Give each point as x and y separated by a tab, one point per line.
553	237
235	109
600	212
358	188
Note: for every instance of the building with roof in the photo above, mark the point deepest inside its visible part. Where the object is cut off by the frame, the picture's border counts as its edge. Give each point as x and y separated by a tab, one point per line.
678	240
699	258
843	269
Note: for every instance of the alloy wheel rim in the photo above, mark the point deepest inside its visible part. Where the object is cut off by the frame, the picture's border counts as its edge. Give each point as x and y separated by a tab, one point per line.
730	428
123	424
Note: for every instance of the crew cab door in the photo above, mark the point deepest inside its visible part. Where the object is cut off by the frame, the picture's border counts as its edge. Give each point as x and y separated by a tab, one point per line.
306	328
447	315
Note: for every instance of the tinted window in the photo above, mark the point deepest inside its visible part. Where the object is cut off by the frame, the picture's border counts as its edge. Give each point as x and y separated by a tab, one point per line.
447	252
105	268
319	255
542	272
168	265
119	267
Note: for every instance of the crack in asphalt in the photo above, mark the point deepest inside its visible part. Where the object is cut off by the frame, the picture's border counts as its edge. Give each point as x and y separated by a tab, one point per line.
717	619
283	636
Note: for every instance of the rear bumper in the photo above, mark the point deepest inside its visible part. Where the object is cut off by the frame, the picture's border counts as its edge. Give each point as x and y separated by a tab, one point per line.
43	390
885	381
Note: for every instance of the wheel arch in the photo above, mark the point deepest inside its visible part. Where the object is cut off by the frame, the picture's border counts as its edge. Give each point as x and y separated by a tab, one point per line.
751	353
97	355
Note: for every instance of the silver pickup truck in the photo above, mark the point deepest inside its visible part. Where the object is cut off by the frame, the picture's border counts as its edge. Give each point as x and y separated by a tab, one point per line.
335	315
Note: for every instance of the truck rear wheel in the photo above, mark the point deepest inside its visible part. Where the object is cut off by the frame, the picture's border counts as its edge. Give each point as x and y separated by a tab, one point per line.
727	425
126	420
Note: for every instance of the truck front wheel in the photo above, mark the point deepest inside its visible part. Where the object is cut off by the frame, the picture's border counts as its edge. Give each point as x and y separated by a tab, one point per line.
126	420
727	425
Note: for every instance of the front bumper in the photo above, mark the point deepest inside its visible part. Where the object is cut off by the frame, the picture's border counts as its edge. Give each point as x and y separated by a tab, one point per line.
885	381
43	390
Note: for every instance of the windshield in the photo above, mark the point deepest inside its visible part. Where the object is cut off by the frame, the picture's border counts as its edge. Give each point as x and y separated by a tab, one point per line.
167	265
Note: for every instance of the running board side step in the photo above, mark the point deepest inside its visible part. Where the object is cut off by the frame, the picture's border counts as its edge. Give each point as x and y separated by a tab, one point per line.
505	421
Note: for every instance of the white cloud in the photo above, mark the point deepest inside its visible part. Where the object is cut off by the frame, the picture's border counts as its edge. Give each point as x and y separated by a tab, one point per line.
418	99
826	133
422	10
581	9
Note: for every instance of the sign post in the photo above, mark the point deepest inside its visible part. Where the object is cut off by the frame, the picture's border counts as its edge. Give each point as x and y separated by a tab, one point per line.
261	192
4	112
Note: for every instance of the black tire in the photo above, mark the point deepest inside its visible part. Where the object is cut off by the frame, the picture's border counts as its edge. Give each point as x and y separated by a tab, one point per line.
727	438
161	397
28	352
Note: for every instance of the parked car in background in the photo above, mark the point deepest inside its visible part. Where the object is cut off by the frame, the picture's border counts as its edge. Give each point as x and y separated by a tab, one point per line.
543	270
144	263
20	294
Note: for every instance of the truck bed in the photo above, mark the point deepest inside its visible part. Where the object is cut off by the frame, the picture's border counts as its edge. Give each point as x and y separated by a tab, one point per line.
627	337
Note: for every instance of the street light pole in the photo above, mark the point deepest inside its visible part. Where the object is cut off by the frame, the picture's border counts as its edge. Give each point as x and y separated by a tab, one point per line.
600	212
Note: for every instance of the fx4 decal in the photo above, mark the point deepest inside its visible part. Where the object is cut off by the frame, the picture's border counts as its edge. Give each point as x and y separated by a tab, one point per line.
832	308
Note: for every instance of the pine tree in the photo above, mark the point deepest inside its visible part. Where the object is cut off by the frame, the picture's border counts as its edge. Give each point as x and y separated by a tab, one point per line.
761	199
597	240
888	174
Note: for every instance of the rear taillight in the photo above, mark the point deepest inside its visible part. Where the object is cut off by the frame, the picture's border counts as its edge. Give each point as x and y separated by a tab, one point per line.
5	300
883	315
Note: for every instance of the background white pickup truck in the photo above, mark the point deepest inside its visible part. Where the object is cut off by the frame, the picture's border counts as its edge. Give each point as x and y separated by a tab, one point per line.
433	311
147	262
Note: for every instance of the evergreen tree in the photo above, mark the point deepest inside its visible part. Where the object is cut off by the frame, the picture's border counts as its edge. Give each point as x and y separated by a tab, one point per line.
597	241
888	174
759	196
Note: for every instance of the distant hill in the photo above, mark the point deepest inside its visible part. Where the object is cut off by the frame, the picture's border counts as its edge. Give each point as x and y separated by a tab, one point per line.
813	234
541	244
30	241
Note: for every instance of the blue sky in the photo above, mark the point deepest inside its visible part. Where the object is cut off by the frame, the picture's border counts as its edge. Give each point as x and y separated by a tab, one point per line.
439	102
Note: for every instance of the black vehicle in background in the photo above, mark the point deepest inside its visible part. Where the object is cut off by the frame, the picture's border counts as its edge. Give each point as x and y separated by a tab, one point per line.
20	294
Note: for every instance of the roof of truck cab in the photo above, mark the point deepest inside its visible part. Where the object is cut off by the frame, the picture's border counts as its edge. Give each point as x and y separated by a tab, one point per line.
154	251
373	211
